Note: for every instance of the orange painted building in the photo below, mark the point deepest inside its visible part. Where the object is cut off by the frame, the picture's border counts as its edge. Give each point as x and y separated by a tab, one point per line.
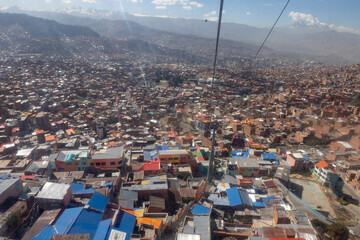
110	158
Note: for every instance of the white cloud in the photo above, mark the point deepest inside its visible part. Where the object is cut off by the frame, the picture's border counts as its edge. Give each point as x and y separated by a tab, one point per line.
196	4
48	1
248	13
188	4
136	1
66	1
89	1
213	19
147	15
210	14
309	20
160	7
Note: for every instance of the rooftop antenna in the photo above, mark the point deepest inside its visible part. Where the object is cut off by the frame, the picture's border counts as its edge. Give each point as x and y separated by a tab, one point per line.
212	108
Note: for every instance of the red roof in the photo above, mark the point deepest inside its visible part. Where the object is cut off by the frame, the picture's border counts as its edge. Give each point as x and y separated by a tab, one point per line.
322	164
27	177
286	238
153	165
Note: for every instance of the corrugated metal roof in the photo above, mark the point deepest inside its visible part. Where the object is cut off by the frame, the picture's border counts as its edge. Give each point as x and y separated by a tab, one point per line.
220	201
127	224
234	197
188	236
53	191
245	197
202	226
67	219
87	222
45	218
102	229
46	233
98	201
200	210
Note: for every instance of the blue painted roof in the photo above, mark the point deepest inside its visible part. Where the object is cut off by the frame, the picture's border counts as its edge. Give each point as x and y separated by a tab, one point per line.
306	157
200	209
158	147
257	204
45	233
110	183
268	156
127	224
98	201
166	147
87	222
239	154
84	191
234	197
267	198
147	155
75	187
67	219
102	229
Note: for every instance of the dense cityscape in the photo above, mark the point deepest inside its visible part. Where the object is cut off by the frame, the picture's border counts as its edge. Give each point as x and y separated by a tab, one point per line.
117	143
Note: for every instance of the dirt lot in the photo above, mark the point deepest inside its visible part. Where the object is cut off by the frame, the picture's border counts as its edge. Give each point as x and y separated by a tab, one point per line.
310	193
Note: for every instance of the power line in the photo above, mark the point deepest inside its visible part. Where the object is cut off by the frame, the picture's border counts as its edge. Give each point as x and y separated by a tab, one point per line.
212	110
267	36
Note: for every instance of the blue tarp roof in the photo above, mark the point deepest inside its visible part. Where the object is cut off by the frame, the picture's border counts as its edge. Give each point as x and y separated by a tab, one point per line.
102	229
267	198
67	219
98	201
257	204
234	197
87	222
200	209
127	224
268	156
45	233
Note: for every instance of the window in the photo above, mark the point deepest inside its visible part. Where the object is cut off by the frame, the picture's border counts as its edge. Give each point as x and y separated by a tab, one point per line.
92	164
112	163
97	164
103	163
119	162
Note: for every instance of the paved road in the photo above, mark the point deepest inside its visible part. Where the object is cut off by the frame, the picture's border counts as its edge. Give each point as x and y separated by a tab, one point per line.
347	189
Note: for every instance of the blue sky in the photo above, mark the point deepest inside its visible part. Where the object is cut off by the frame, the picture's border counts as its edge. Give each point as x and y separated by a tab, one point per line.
338	15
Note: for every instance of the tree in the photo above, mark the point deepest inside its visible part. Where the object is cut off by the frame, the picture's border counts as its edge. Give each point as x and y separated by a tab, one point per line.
13	221
338	231
320	226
